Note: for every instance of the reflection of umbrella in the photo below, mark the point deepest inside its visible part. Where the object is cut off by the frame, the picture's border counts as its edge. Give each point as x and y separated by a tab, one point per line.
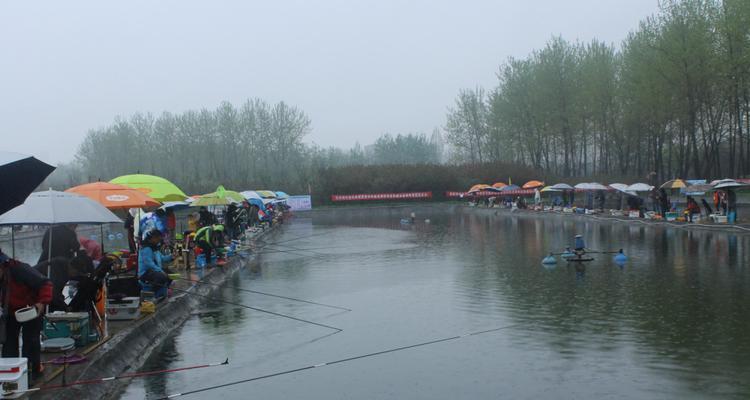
51	207
640	187
590	186
114	196
533	184
673	184
562	186
479	188
155	187
499	185
19	176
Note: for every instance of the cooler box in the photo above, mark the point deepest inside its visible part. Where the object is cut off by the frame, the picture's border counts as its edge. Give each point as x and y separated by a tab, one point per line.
126	309
14	376
74	325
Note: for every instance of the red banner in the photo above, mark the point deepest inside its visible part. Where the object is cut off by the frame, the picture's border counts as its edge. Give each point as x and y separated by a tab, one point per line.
489	193
381	196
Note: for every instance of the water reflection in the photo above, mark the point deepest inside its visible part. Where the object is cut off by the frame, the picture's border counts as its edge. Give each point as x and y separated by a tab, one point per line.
671	322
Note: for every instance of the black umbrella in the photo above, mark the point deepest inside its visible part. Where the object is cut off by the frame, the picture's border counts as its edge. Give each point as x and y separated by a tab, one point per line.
19	176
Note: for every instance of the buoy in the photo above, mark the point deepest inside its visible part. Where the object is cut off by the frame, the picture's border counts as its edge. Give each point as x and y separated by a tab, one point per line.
550	259
620	257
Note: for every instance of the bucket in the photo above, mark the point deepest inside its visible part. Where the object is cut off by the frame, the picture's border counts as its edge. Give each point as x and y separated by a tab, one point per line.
26	314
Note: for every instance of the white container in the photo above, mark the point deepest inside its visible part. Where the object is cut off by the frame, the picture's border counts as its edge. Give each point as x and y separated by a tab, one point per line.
127	309
26	314
14	377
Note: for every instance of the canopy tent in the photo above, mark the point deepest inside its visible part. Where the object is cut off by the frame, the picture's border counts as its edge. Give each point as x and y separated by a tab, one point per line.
533	184
673	184
155	187
590	186
114	196
19	176
640	187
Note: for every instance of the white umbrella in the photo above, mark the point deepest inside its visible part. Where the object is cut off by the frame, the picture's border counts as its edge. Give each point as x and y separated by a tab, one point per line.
621	187
640	187
250	194
561	186
52	207
590	186
729	184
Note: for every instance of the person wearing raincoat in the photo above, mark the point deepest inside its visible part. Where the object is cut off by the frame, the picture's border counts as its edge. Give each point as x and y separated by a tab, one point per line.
208	238
151	260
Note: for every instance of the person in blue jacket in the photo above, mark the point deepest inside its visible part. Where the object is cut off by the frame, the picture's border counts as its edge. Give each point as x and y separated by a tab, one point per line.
150	260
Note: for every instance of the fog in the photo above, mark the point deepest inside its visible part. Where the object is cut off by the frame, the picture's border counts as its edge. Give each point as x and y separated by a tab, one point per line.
358	69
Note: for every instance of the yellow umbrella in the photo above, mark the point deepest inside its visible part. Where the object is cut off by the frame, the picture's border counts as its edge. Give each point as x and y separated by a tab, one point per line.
499	185
533	184
674	184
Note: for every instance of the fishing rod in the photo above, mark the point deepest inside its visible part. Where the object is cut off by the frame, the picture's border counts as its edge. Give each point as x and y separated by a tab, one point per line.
116	377
296	238
260	310
339	361
266	294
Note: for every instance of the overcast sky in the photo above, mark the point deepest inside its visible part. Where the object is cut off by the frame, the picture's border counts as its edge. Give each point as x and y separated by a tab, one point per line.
358	69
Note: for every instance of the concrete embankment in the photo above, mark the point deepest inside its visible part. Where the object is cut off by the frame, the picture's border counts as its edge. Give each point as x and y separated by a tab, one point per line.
127	350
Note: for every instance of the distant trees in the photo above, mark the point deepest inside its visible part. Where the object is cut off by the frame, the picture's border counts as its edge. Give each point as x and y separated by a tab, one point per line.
674	98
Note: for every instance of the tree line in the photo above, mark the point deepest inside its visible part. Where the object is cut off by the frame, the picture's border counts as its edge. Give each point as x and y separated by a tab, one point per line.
673	98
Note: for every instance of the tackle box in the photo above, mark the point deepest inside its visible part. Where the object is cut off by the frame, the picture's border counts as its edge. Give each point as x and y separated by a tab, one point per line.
14	377
74	325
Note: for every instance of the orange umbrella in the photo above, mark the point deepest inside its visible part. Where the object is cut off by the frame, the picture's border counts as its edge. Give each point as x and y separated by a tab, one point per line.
499	185
114	196
479	188
533	184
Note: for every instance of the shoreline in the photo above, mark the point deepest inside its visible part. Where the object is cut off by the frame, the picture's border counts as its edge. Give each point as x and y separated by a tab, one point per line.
129	349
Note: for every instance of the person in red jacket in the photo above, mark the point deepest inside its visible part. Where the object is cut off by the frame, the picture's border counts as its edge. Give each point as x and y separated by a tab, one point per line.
23	286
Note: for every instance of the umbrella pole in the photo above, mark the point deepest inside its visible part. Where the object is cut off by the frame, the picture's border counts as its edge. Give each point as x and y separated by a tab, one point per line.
13	241
101	236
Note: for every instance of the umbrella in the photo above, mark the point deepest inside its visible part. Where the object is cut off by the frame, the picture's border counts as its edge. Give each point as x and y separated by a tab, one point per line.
533	184
266	194
257	202
211	199
640	187
623	188
156	187
52	207
250	194
175	205
229	194
499	185
114	196
509	188
673	184
282	195
479	187
550	189
729	184
19	176
590	186
562	186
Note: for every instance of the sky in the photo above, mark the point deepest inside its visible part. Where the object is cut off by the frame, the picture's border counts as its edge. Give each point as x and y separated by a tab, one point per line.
359	69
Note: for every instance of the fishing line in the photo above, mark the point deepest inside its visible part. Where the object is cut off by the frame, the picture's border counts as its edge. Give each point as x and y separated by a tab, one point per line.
340	361
296	238
259	310
116	377
265	294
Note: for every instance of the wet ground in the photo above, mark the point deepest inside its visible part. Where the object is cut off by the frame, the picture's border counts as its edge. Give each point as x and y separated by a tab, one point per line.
671	323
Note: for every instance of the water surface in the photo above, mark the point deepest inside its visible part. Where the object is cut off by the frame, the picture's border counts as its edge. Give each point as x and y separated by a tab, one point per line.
671	323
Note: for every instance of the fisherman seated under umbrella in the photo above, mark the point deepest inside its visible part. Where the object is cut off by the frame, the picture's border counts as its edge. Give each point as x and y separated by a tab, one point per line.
151	264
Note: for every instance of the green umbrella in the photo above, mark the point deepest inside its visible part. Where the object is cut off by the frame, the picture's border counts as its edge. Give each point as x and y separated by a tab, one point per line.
155	187
221	197
229	194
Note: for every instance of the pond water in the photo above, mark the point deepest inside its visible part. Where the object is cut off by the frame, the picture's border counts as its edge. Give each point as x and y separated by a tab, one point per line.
671	323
